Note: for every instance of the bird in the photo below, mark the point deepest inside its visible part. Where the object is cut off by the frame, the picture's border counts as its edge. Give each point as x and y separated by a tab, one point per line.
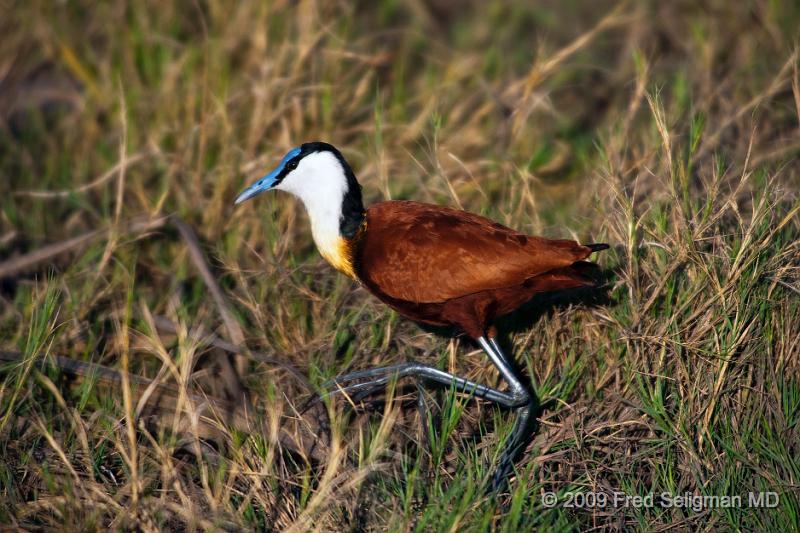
435	265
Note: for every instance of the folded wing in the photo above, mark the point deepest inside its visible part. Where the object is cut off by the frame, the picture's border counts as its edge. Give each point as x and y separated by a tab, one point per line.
425	253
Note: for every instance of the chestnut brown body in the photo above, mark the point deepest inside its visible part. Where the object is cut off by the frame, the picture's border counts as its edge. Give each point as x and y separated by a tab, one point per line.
446	267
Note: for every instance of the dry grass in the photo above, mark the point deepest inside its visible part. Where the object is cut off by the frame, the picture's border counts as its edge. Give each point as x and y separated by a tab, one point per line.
670	131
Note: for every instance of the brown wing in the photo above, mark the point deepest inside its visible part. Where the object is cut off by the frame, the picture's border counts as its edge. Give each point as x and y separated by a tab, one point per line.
425	253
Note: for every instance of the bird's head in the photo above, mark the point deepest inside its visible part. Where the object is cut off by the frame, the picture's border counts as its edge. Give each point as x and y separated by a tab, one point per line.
310	167
318	174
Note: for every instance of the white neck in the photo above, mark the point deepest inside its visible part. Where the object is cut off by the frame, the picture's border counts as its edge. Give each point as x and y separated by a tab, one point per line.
320	182
325	219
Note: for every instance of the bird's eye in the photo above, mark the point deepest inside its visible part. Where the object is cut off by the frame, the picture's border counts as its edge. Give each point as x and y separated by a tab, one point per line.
291	165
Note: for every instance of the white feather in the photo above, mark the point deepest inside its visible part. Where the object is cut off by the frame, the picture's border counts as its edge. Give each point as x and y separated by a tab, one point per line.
320	183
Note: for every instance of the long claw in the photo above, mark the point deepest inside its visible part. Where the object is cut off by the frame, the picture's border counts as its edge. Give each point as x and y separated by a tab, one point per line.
334	386
524	427
361	389
368	373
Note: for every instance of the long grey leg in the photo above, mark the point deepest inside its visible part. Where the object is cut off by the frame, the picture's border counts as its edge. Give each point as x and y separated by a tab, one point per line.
517	396
384	375
524	425
515	386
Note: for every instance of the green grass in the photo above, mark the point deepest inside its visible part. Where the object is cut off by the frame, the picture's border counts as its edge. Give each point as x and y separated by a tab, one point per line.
671	133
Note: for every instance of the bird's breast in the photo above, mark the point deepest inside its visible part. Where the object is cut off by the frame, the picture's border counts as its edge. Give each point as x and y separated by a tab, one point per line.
339	253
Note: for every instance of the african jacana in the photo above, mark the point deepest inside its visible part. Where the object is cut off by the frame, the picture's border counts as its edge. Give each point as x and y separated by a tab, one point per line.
432	264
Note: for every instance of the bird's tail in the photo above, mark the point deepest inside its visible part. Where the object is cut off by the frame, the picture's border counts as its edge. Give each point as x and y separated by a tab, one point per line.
597	247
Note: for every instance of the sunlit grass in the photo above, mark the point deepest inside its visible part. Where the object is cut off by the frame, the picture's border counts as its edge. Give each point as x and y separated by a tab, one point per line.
671	133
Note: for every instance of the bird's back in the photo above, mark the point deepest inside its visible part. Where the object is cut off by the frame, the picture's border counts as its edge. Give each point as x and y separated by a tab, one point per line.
425	253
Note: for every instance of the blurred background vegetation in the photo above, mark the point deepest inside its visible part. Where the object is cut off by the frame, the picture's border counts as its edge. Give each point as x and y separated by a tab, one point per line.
668	129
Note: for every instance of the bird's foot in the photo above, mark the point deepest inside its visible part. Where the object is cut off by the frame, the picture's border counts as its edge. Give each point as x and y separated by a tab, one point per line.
521	435
358	391
378	378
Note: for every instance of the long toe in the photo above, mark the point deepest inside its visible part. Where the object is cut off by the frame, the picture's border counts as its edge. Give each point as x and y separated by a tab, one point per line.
383	371
521	435
357	391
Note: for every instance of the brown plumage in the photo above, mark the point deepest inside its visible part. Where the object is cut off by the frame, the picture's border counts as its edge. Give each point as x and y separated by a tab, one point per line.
446	267
432	264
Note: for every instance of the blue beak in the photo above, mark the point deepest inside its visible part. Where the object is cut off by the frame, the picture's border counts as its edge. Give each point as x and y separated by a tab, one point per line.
264	184
268	181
